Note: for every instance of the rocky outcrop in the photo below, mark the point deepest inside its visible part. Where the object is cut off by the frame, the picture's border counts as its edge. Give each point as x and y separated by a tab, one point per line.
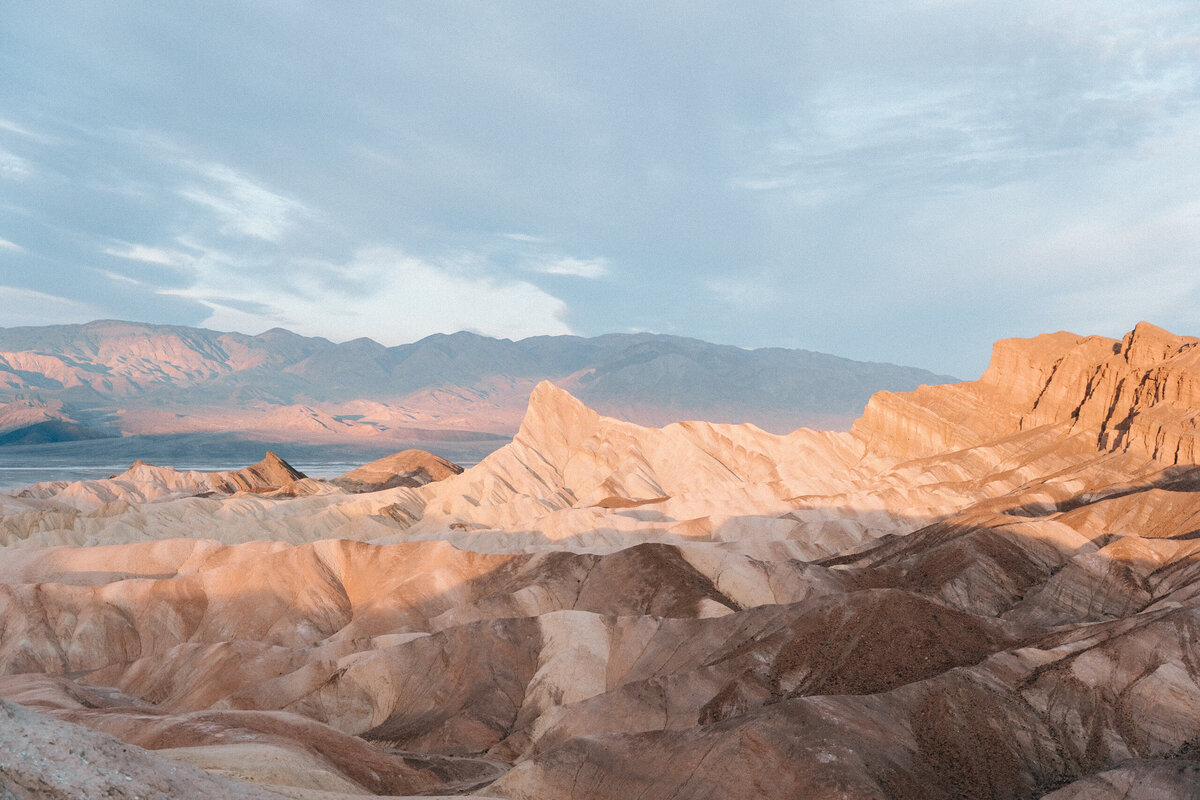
410	468
1136	395
270	473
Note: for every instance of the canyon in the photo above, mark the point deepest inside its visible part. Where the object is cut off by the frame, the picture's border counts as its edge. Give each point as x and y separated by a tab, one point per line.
987	589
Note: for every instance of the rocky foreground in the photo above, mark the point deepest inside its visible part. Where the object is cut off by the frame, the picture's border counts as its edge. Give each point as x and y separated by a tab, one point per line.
983	590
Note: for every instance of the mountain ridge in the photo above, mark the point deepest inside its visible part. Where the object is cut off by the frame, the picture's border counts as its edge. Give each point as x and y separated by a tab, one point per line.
127	378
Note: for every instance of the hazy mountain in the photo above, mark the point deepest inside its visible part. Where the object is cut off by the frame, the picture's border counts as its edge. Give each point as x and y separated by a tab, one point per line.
131	378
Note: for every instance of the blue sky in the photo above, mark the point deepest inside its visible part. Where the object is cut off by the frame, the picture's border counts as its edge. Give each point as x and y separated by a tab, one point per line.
886	181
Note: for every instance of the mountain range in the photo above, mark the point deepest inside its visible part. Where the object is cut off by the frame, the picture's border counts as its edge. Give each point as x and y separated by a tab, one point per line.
120	378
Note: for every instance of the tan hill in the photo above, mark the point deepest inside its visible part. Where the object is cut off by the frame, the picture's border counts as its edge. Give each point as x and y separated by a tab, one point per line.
982	590
406	468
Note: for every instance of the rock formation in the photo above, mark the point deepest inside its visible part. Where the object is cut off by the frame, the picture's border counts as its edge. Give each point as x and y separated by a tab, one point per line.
984	590
1139	394
406	468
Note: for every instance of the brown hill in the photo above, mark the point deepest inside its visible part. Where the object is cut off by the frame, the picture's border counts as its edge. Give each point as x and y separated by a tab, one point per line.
406	468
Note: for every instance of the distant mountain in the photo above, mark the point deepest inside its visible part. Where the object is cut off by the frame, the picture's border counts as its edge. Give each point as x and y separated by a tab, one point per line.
124	378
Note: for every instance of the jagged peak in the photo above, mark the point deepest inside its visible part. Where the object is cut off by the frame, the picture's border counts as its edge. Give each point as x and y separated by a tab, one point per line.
553	418
273	465
548	401
1139	394
1148	344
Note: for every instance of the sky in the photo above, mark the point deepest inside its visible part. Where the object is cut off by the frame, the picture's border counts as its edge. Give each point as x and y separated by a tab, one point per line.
886	181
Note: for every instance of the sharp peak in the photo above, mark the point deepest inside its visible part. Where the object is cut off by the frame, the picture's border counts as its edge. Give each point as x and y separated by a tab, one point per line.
274	463
550	402
271	457
1147	331
548	393
1148	344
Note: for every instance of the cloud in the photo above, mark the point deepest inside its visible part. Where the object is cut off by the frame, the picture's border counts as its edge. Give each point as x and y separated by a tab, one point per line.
921	177
116	276
963	94
5	244
245	207
13	166
409	298
20	307
24	132
12	127
591	268
149	255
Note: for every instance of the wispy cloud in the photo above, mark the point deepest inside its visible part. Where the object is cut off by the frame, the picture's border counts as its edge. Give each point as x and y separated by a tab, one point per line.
116	276
5	244
860	138
13	166
244	206
149	255
591	268
20	130
742	292
1052	84
14	292
523	237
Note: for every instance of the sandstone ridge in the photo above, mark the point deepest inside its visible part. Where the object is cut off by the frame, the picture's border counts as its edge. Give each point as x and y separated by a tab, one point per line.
1138	394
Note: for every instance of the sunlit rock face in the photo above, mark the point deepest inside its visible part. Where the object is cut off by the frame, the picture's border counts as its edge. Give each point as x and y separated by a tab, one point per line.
988	590
1136	395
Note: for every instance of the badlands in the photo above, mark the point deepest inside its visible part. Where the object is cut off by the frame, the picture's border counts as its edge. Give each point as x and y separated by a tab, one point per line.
982	590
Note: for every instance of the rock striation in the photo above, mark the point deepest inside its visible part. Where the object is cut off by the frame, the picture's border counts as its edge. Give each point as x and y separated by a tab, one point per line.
1136	395
984	590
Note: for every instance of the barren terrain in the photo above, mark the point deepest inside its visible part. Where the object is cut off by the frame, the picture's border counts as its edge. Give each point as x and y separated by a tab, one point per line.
983	590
